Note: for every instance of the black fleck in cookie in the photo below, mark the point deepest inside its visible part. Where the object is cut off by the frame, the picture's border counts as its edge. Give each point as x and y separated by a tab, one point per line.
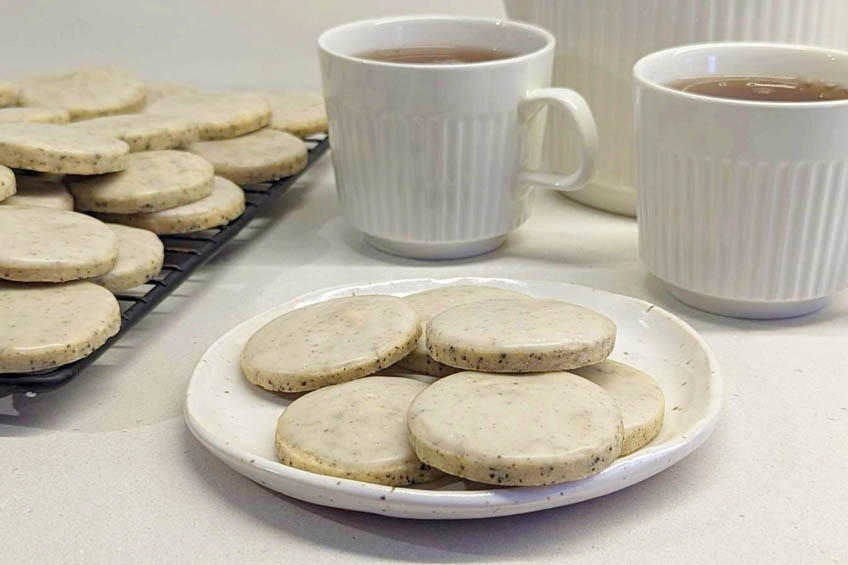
225	204
45	245
355	430
520	336
636	394
517	430
48	325
330	342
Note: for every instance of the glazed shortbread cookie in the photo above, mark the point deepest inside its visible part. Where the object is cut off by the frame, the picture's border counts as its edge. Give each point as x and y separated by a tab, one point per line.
429	303
37	192
8	185
8	93
52	148
48	325
217	115
638	397
44	245
84	93
520	336
297	113
330	342
140	258
517	430
225	204
355	430
34	114
260	156
152	181
144	132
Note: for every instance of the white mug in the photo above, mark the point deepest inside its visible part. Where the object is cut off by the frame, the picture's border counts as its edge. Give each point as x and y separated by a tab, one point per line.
598	41
437	161
743	205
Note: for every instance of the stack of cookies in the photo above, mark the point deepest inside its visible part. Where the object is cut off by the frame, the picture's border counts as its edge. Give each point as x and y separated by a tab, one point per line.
504	388
94	164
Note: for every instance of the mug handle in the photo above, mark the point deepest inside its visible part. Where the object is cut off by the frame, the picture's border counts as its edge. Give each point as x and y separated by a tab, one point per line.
581	117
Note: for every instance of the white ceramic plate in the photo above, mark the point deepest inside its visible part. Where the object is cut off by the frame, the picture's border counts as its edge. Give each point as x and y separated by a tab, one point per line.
236	420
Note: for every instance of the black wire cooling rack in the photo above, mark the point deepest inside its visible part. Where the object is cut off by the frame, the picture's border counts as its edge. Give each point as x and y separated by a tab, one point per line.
184	254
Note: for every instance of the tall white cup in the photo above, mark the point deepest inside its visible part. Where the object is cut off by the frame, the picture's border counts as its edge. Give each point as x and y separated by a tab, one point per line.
743	205
437	161
598	41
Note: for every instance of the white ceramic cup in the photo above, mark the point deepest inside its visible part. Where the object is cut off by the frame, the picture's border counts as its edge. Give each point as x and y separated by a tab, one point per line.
598	41
743	205
437	161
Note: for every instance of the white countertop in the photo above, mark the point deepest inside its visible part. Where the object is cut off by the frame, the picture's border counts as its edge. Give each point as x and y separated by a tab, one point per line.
105	470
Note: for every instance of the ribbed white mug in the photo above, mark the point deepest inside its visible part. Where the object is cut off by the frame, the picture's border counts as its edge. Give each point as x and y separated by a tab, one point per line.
743	205
437	161
598	41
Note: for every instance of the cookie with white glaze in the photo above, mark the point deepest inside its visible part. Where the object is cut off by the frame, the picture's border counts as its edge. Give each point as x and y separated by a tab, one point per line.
638	396
8	184
84	93
260	156
520	336
218	115
299	114
44	245
34	114
8	93
225	204
37	192
516	430
49	325
354	430
330	342
52	148
152	181
144	132
431	302
140	258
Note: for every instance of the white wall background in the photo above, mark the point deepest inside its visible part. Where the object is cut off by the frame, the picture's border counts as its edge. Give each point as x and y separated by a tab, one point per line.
207	43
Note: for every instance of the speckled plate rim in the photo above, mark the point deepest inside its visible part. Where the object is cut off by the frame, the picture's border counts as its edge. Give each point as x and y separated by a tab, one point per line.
438	504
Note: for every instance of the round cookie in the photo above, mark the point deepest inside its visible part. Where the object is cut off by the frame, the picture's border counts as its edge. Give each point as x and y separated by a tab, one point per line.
52	148
140	258
355	430
429	303
37	192
260	156
48	325
44	245
8	184
520	336
84	93
8	93
152	181
143	132
299	114
218	115
518	430
34	114
225	204
330	342
638	397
